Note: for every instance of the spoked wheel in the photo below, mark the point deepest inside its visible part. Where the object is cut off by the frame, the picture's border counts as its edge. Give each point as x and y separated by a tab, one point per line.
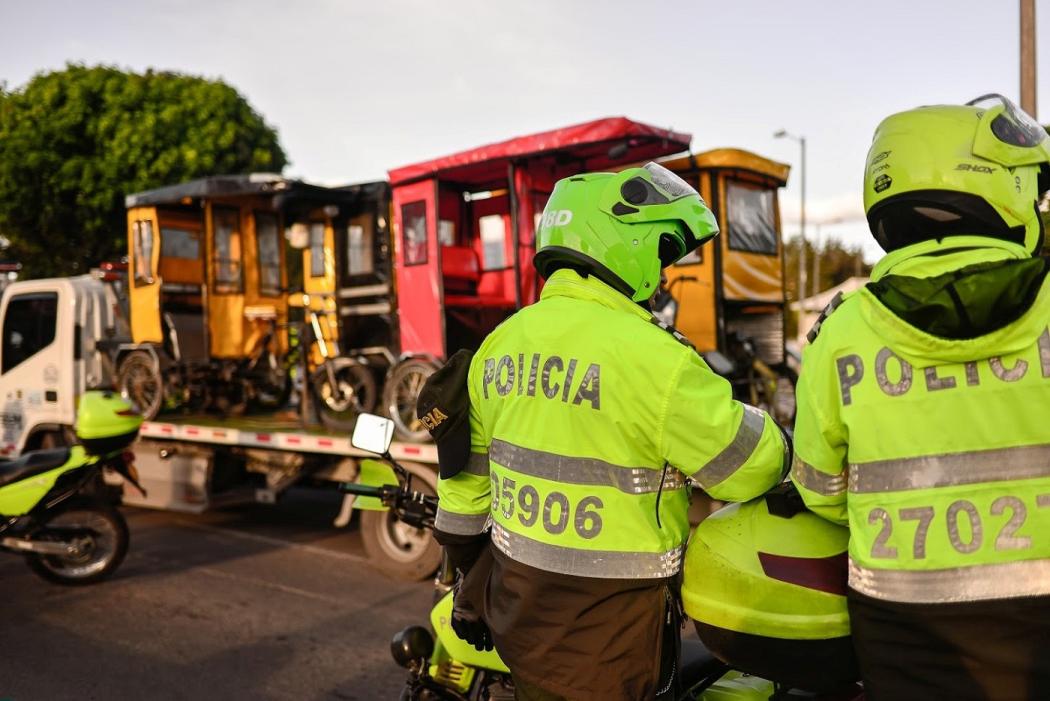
99	536
352	394
139	381
399	550
402	389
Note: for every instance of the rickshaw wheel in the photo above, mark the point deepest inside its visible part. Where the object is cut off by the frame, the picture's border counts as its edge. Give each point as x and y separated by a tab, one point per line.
400	393
139	381
354	393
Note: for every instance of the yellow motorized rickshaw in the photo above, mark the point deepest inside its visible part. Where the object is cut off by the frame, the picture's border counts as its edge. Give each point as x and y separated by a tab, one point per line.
208	293
728	296
347	300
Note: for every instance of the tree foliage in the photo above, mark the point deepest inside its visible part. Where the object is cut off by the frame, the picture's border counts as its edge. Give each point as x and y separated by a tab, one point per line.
74	142
833	262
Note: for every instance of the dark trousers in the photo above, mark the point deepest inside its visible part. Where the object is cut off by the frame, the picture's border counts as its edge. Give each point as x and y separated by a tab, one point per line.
984	651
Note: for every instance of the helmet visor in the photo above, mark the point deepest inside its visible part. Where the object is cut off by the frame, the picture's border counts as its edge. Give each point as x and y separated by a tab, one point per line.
673	186
1014	126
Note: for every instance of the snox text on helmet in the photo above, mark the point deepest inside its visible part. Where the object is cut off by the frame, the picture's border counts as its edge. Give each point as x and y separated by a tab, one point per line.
623	228
949	170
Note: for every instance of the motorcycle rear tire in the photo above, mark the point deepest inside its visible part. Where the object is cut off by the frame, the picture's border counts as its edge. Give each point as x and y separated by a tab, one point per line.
55	569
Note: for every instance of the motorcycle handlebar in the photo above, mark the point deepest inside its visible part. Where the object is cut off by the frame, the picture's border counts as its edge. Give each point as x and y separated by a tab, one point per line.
362	490
409	506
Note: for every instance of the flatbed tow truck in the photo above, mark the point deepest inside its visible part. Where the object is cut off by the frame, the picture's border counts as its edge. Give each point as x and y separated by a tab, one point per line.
60	337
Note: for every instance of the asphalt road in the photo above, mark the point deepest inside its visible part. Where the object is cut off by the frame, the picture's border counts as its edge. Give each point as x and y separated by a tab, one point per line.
263	602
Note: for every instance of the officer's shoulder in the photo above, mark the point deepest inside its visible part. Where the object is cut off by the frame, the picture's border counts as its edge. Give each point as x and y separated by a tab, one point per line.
833	317
663	333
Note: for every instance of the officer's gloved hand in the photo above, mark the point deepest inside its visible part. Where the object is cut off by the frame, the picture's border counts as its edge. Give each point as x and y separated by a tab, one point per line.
467	623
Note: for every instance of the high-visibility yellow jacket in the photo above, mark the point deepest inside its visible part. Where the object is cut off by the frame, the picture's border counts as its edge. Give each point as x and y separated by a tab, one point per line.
934	448
585	414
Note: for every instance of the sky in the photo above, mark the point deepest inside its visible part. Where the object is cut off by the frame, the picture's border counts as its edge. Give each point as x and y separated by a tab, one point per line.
356	88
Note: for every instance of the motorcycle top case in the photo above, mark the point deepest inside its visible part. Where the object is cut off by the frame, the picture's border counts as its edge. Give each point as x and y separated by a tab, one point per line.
106	422
766	589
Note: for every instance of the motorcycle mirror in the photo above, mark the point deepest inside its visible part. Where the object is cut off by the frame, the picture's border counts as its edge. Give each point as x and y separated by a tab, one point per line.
373	433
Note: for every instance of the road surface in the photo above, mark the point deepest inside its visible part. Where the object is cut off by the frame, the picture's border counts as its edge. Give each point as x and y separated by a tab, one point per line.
261	602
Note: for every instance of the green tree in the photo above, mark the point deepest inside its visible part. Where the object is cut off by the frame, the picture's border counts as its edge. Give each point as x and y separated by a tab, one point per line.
74	142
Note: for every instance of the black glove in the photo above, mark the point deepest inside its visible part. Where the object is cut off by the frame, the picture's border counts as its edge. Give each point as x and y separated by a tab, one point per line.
467	622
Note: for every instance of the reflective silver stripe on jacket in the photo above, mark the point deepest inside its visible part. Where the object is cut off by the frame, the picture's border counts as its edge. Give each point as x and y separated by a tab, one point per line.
477	464
737	452
972	583
608	564
585	471
949	470
460	524
816	481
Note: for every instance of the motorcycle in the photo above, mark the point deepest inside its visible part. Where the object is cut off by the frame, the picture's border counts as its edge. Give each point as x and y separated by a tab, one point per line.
53	505
443	667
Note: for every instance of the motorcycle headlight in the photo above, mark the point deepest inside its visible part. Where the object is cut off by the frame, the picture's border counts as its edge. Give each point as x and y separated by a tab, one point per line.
411	645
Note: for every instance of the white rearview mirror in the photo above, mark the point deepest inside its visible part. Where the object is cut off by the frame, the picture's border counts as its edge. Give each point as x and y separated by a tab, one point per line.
373	433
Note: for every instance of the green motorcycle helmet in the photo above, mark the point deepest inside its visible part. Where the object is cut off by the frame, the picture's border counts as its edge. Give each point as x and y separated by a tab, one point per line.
950	170
765	583
106	422
623	228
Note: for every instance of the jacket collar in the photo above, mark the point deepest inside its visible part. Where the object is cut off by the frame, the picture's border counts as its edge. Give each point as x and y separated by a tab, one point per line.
932	258
569	283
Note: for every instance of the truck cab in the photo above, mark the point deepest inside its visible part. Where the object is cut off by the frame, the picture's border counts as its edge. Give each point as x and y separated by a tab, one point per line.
56	340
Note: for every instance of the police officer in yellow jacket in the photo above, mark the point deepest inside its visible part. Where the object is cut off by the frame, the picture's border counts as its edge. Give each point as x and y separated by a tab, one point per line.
585	418
924	411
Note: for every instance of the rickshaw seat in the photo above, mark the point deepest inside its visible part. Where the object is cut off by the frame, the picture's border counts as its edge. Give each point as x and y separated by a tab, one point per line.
460	263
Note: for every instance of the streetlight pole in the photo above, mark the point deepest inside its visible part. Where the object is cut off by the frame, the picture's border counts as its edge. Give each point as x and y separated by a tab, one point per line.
780	134
1028	101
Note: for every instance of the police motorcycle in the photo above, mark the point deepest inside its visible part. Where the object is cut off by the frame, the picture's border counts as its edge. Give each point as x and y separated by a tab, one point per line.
54	508
764	583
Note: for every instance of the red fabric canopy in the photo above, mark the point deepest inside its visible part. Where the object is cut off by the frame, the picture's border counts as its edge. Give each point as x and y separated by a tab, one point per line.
583	147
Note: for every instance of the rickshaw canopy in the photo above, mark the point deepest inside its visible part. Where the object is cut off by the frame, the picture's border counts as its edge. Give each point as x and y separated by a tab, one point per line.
258	184
734	158
591	146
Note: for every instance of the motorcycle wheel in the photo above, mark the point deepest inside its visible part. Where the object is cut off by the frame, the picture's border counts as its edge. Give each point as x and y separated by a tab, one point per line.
354	393
397	549
400	393
103	547
139	381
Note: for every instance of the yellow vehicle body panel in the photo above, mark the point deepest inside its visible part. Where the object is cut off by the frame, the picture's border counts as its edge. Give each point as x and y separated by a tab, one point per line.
320	282
143	278
727	273
238	311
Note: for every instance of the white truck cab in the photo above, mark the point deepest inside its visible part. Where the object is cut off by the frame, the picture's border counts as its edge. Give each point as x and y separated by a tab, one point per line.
56	340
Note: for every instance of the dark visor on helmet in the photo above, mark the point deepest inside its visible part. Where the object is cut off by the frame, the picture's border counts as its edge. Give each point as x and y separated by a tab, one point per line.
1014	126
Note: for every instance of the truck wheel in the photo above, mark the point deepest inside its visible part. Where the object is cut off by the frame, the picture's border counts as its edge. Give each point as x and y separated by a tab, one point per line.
139	381
397	550
400	393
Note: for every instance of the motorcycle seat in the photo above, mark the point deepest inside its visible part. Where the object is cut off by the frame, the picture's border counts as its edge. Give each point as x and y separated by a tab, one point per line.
32	463
697	661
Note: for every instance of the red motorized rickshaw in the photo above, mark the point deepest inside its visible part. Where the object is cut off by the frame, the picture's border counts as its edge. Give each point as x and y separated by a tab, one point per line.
464	237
